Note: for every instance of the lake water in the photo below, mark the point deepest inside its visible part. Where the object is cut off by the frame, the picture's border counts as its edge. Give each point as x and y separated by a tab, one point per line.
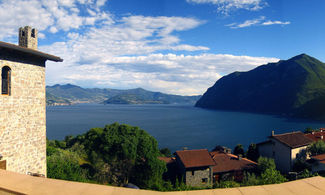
174	126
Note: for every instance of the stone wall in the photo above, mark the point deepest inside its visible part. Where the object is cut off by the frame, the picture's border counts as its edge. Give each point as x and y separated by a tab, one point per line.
194	176
22	117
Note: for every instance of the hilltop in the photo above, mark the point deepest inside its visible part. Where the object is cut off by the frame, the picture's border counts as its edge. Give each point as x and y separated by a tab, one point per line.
293	87
76	94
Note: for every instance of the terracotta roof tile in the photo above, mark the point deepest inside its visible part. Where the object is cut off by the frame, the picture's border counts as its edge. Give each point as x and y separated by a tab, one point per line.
229	162
167	160
320	157
316	135
293	140
195	158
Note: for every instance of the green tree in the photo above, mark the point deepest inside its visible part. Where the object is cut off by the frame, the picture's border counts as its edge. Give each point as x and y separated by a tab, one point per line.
63	164
122	154
166	152
239	149
316	148
252	152
272	176
264	163
308	130
268	173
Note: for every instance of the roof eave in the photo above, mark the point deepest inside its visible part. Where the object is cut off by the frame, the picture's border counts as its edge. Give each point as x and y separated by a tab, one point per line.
30	51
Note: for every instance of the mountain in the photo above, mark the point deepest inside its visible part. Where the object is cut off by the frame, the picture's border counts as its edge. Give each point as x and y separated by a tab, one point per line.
294	87
52	100
76	94
141	96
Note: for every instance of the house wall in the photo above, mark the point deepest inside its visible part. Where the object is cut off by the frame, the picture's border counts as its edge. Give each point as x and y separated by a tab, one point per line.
295	152
199	174
22	115
282	156
266	150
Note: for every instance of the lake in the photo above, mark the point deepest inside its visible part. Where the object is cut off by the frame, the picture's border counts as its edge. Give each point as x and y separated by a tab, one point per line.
174	126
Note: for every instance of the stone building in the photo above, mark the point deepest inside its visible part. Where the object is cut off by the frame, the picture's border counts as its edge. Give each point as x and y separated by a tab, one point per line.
22	104
195	167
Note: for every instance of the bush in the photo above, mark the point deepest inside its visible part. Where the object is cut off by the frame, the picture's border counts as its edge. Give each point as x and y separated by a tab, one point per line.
65	165
226	184
316	148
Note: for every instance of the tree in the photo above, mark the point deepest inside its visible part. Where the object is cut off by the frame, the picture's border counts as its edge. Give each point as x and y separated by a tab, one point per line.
252	152
63	164
316	148
166	152
268	173
272	176
122	154
264	163
239	149
308	130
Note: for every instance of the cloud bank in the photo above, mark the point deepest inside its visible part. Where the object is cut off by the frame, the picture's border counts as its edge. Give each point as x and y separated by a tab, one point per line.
102	50
226	6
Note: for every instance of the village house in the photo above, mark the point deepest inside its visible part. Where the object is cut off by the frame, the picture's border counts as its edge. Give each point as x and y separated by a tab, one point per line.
195	167
284	148
229	166
22	105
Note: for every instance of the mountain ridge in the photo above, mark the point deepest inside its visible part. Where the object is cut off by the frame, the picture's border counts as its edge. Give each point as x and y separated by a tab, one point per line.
283	88
76	94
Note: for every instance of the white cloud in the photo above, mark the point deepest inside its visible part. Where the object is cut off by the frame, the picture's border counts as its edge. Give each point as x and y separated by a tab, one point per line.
257	22
269	22
225	6
54	15
133	51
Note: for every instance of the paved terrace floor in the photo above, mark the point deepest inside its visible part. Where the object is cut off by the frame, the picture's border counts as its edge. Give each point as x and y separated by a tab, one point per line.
14	183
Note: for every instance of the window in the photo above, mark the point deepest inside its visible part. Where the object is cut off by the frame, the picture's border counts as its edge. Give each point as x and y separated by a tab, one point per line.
192	172
5	78
33	33
204	180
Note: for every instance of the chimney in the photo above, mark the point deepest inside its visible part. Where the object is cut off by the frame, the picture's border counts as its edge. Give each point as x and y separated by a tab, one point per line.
185	148
321	137
28	37
313	132
272	133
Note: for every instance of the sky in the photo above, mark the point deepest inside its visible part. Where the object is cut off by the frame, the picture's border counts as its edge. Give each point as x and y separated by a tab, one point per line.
173	46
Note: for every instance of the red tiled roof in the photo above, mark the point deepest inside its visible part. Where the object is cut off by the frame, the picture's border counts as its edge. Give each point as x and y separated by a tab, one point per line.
229	162
195	158
320	157
316	135
293	139
167	160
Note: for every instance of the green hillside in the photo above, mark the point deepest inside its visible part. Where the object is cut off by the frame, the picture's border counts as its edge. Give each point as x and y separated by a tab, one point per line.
53	100
76	94
294	87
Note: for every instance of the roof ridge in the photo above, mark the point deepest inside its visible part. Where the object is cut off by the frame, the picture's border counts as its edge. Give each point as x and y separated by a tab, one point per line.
287	133
192	150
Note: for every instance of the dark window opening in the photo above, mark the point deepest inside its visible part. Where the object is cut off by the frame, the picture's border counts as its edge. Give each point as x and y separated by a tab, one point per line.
204	180
33	33
6	79
192	172
23	33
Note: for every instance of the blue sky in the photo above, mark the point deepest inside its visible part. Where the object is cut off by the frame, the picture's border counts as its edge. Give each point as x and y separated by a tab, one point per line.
172	46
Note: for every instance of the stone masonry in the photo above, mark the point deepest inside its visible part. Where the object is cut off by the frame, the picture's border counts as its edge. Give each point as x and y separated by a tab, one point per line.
195	177
22	119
